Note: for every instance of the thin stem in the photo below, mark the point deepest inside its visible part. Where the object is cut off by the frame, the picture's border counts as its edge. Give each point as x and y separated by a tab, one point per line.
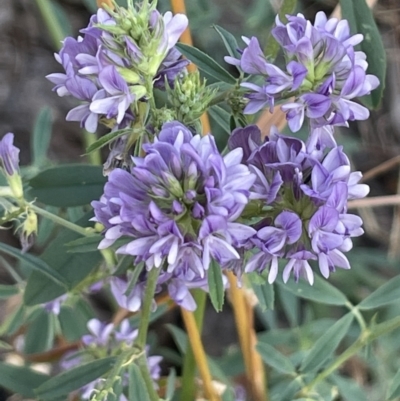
143	329
188	391
244	324
146	307
357	314
55	30
86	232
95	156
199	354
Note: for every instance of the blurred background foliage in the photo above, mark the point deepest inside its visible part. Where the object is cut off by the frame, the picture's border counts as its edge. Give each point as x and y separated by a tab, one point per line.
29	108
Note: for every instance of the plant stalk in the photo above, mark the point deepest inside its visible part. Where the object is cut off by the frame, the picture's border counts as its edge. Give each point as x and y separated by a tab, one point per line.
86	232
199	354
140	342
188	391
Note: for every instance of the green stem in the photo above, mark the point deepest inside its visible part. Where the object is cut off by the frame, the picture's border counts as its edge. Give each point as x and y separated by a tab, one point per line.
189	363
143	329
95	156
357	314
51	21
86	232
366	337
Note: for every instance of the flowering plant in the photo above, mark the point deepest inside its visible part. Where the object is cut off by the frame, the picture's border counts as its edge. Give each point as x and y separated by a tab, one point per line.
179	212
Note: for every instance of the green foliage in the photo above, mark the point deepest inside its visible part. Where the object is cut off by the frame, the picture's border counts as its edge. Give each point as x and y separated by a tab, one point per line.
7	291
362	21
327	344
106	139
206	64
80	184
216	285
322	291
384	295
34	264
275	359
72	267
73	379
40	333
264	291
229	40
20	379
137	387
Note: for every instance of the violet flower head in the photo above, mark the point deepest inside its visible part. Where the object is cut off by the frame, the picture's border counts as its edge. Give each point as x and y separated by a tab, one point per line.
106	69
304	195
324	73
178	206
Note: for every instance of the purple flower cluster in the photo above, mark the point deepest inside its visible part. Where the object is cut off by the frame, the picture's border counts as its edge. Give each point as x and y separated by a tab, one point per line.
107	69
323	73
179	205
105	336
302	201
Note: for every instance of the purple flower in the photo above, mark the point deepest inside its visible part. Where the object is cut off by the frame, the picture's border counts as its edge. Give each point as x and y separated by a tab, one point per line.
323	73
117	97
107	68
179	205
9	155
304	216
99	333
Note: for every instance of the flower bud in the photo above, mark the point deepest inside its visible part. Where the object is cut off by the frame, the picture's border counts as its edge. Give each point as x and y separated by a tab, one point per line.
9	164
28	231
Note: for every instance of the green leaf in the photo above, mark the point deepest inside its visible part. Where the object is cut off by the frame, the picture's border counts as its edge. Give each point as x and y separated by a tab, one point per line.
13	321
362	21
394	388
33	263
216	285
73	322
68	185
20	379
41	136
291	306
321	292
40	334
275	359
7	291
384	295
137	386
229	41
84	244
264	291
205	63
327	344
73	267
221	117
171	385
179	336
105	139
349	389
74	379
